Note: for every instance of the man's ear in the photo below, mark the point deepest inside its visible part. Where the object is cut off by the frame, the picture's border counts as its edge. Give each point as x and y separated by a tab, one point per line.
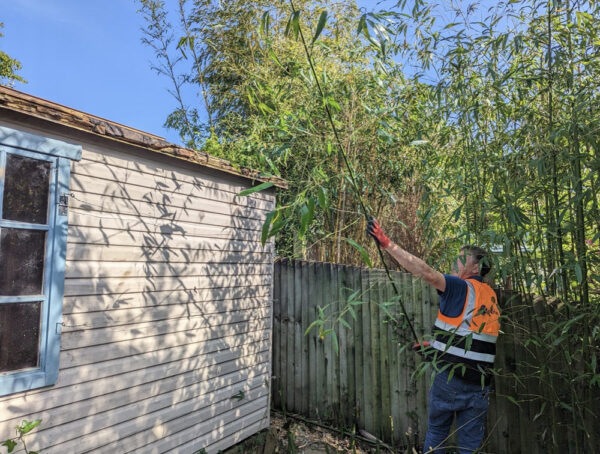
475	266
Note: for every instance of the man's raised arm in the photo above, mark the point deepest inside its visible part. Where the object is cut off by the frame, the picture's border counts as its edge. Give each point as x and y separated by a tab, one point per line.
409	262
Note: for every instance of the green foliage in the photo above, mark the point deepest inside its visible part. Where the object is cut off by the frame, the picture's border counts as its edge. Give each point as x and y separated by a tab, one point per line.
22	429
9	68
258	188
266	115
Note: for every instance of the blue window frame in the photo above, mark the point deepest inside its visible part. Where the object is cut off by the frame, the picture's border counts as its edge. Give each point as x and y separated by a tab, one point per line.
34	188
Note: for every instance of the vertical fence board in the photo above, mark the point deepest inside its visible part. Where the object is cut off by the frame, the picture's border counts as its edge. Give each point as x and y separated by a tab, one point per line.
350	402
328	354
420	306
347	380
408	359
297	337
285	366
333	369
324	344
365	318
395	386
530	381
291	322
304	311
276	336
374	355
514	436
497	420
357	352
313	289
382	332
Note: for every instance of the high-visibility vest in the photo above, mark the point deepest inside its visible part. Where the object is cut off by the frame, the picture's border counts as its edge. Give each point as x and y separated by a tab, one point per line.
470	338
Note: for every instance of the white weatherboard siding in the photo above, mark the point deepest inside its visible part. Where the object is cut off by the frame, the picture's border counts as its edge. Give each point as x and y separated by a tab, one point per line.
166	315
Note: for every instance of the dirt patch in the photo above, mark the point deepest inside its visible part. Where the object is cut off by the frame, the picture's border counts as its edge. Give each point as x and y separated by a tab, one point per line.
293	436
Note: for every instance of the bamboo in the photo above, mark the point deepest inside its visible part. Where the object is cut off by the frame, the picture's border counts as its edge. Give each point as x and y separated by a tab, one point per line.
357	192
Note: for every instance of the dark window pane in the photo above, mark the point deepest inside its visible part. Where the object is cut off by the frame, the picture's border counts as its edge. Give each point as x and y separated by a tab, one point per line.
19	335
26	186
21	261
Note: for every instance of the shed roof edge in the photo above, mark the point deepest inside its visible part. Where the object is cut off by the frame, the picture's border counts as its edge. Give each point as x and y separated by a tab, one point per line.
16	101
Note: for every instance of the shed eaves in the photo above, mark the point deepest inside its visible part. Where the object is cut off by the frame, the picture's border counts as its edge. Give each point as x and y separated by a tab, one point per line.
19	102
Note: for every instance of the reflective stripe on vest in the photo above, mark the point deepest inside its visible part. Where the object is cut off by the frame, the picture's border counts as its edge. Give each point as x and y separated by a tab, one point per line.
483	357
463	331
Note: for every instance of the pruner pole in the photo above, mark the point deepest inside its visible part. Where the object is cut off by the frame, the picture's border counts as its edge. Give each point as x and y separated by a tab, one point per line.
365	208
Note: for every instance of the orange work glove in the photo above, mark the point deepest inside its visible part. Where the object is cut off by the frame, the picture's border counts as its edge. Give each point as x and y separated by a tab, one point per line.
376	232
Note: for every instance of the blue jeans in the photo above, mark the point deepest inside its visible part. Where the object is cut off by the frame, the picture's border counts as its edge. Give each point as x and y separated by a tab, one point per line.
469	401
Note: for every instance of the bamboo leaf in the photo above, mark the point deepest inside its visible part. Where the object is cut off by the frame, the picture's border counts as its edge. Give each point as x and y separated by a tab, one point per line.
312	325
181	44
320	25
288	26
28	426
456	213
345	323
468	342
352	312
322	195
10	445
267	227
334	338
362	25
565	406
450	25
540	413
571	322
352	297
260	187
296	24
307	213
321	312
512	399
361	250
265	23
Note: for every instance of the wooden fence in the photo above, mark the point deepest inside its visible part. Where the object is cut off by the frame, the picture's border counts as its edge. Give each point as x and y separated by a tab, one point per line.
359	375
366	379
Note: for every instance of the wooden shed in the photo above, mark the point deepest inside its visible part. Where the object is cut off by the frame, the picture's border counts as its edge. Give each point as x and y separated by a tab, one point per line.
135	294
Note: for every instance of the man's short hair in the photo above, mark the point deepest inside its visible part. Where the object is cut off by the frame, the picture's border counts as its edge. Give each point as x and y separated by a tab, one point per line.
481	257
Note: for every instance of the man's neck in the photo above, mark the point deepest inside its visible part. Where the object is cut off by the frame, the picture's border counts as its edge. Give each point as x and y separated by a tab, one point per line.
477	277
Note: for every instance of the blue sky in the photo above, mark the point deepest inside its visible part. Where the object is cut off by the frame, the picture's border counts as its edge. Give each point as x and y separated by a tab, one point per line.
88	55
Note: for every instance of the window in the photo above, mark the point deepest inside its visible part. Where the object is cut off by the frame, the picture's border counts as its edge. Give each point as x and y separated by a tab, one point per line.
34	188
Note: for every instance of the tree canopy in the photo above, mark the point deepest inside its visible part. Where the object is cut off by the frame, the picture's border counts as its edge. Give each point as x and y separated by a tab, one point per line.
8	67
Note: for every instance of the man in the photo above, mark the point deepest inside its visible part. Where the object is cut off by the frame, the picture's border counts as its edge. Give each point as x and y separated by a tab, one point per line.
463	345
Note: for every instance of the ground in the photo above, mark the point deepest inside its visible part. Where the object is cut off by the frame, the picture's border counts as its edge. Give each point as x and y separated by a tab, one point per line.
291	435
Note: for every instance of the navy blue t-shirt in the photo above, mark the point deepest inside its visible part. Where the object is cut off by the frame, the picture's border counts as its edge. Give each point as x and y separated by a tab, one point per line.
452	300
